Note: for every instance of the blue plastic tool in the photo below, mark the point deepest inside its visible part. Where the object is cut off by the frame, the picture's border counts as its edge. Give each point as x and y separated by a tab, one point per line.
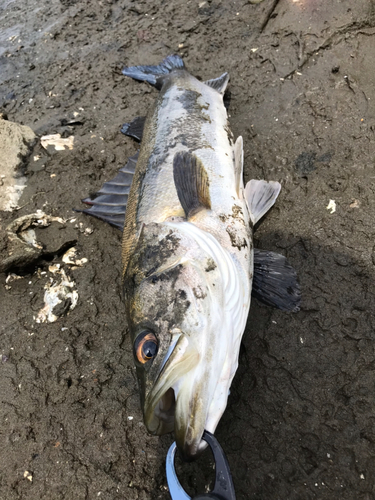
223	488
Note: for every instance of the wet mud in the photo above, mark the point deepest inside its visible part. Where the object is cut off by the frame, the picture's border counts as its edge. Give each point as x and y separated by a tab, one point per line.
300	421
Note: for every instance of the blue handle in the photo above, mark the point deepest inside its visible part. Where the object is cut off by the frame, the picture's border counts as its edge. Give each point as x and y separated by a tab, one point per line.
175	489
223	489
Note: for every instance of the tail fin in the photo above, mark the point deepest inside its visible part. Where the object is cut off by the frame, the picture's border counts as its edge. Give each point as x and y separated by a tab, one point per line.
154	74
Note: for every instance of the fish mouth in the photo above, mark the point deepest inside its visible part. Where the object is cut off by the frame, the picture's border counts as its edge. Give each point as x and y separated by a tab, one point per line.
164	412
171	404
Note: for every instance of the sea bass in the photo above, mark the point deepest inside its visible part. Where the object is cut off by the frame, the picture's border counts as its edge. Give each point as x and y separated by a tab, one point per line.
188	258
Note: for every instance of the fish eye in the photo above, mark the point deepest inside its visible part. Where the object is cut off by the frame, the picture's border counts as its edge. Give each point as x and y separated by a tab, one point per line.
145	347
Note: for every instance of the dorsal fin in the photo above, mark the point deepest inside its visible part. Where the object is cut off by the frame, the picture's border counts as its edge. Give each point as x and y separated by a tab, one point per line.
220	83
191	181
109	203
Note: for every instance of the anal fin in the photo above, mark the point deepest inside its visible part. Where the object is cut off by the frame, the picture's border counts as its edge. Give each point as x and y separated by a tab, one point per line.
275	281
109	203
134	128
219	84
260	197
191	181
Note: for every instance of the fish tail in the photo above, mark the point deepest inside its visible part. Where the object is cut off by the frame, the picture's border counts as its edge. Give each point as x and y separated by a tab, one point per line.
154	75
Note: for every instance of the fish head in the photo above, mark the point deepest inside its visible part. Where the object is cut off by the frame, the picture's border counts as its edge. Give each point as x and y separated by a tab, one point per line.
175	310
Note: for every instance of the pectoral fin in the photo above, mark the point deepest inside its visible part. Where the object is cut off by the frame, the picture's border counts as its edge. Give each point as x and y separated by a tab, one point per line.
260	196
109	204
191	181
275	281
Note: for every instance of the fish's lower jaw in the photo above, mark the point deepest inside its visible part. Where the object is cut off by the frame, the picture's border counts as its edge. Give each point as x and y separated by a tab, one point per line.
190	419
190	450
190	443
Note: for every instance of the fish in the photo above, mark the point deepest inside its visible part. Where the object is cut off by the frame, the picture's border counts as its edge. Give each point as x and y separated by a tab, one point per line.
189	264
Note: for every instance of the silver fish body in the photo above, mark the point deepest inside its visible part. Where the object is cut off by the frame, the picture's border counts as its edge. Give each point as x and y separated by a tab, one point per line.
187	252
187	279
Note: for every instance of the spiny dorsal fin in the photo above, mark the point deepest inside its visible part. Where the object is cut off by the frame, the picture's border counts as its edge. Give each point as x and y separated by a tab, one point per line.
260	196
134	128
220	83
191	181
154	74
109	203
238	165
275	281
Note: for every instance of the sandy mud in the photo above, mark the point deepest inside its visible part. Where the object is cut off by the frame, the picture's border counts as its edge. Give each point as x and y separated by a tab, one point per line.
300	422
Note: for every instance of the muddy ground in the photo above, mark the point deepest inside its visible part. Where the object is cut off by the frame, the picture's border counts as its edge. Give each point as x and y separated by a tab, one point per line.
300	422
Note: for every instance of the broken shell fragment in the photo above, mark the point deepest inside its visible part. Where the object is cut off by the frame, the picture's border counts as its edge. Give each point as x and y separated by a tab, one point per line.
59	299
331	206
28	475
70	257
57	141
